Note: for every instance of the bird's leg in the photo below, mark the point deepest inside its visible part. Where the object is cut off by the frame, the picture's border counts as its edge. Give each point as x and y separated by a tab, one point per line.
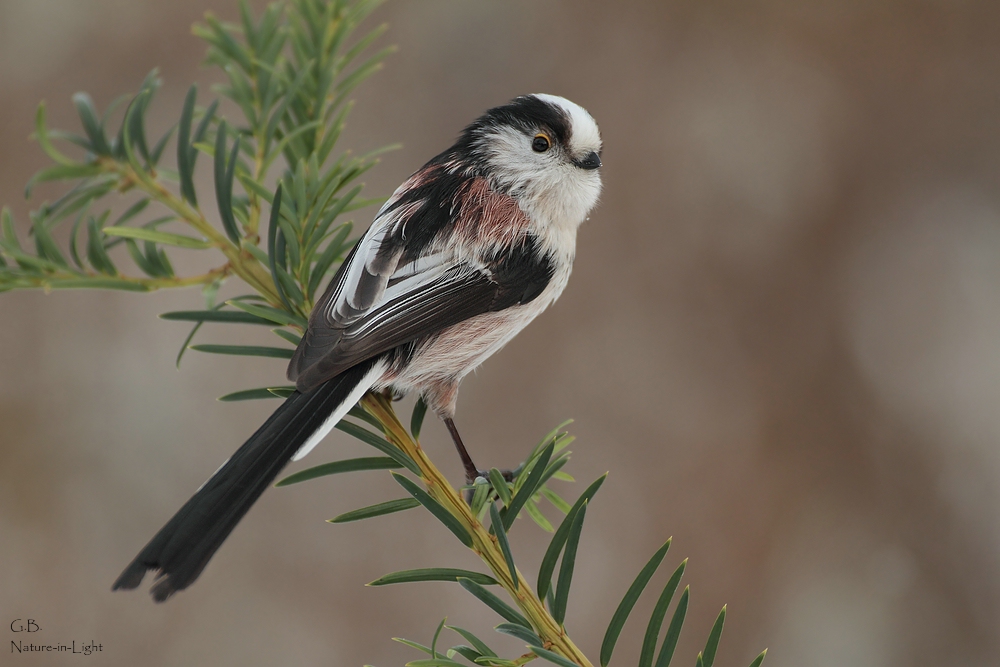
471	471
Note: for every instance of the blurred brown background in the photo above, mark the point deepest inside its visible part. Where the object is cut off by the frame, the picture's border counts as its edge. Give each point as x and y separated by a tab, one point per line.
782	338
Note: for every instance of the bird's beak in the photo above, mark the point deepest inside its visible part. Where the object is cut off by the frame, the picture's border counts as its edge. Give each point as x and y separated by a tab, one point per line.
590	161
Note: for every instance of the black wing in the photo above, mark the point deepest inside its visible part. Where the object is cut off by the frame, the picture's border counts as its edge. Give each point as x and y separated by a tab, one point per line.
413	306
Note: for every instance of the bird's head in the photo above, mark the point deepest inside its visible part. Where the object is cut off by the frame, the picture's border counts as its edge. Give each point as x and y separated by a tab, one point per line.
543	150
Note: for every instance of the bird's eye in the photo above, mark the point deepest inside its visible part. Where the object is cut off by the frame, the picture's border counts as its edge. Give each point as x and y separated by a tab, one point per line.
540	143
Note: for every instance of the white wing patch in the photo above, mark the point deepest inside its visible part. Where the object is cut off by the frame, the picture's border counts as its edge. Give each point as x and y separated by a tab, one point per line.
368	274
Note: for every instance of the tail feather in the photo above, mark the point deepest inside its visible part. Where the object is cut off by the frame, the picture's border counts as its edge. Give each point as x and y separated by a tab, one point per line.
183	547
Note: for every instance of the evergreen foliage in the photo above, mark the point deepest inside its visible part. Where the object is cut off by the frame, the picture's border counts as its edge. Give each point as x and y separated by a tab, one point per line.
290	72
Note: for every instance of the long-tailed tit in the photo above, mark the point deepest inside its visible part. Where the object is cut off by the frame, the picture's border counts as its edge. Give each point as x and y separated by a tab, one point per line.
465	253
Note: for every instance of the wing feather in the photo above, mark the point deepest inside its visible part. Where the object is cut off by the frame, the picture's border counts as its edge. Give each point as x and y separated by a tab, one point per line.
430	306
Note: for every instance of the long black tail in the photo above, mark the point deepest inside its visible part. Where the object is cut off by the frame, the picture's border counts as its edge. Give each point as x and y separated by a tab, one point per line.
184	546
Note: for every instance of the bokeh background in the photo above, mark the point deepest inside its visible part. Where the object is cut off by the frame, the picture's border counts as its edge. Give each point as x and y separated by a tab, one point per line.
782	338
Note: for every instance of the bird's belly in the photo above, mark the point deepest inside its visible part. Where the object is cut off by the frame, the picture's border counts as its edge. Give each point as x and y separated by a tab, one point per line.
454	352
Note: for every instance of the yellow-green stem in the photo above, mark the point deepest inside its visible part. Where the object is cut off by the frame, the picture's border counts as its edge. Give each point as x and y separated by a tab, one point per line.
483	543
242	263
50	282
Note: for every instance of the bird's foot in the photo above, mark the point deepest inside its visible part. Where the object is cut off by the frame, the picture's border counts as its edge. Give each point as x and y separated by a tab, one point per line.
471	476
470	480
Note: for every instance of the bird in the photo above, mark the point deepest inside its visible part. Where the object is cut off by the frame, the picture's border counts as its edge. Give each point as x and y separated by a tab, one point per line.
465	253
